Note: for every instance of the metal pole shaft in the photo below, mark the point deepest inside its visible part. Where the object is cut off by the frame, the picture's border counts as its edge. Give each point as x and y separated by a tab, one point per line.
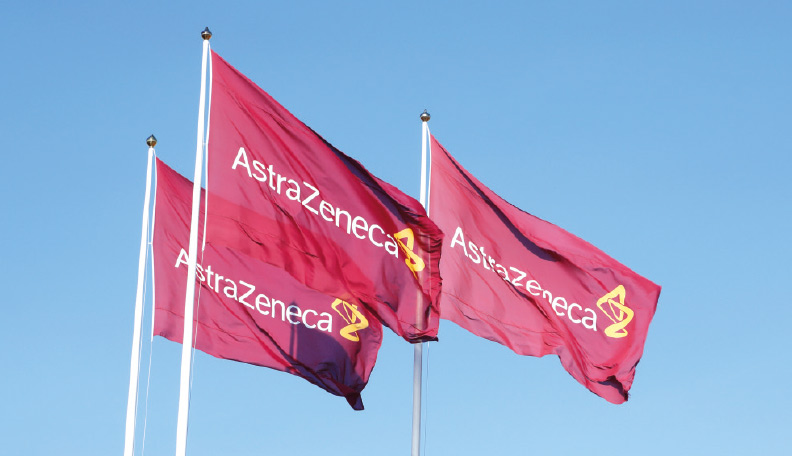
418	348
134	369
187	338
417	378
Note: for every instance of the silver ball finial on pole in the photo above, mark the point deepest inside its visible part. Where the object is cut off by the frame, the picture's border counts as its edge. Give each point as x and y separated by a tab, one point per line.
151	141
206	34
425	116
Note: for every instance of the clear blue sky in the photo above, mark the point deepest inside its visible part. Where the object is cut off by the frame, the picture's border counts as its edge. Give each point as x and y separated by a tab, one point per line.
658	131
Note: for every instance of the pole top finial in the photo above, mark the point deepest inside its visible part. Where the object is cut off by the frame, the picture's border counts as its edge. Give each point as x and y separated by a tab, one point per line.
425	116
151	141
206	34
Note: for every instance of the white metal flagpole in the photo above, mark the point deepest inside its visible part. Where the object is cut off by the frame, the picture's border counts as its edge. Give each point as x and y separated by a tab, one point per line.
134	369
417	377
424	131
418	348
187	339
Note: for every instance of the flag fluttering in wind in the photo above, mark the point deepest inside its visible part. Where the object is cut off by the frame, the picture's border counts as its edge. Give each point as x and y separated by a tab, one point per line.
249	311
513	278
280	193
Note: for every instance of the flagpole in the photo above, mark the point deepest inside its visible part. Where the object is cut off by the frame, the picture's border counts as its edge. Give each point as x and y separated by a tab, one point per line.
187	338
418	348
417	378
134	369
424	130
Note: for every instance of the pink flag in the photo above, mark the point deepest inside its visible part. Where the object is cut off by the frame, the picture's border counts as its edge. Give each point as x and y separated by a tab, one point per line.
252	312
520	281
280	193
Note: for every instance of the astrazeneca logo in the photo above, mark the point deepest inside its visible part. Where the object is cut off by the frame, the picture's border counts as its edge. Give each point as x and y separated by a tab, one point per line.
614	307
355	320
406	240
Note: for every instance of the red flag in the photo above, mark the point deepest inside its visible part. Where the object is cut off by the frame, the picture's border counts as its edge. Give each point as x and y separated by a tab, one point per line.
252	312
282	194
520	281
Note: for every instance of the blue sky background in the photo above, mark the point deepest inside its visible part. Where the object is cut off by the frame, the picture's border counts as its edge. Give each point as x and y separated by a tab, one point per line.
658	131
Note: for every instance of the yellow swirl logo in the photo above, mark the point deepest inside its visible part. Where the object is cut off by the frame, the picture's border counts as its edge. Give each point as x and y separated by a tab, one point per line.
614	307
406	240
355	320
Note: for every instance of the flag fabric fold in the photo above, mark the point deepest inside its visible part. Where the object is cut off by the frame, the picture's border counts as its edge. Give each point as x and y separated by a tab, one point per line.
513	278
280	193
250	311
